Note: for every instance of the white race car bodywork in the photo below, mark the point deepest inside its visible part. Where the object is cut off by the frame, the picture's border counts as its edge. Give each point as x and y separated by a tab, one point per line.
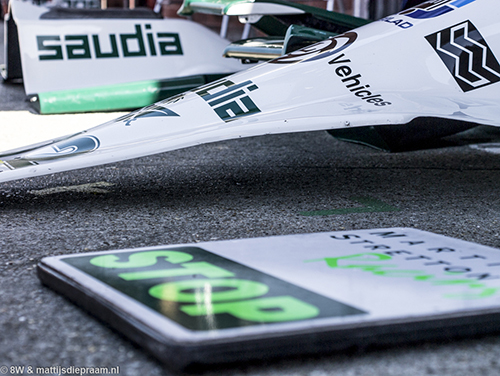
62	52
438	64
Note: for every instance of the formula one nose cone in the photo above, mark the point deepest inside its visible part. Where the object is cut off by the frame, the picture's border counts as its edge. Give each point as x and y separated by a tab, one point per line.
435	61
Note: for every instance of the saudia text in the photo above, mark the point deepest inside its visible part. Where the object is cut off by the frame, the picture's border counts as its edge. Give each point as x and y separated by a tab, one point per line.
142	42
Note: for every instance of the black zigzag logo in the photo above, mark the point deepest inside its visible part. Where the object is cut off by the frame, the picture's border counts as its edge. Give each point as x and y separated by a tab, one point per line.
466	55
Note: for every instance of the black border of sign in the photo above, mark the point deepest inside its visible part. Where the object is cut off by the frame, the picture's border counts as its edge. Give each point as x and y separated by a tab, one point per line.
117	310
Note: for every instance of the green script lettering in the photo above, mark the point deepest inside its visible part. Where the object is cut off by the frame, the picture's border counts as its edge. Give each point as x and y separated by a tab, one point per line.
486	293
472	283
417	275
333	262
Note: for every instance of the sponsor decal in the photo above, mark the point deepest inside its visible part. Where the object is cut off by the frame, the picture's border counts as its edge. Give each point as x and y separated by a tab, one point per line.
202	291
354	82
397	22
140	43
457	280
69	147
467	56
428	9
379	264
61	150
230	101
155	110
318	50
435	8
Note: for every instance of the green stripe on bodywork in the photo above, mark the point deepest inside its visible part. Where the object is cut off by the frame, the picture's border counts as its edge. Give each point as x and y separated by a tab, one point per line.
117	97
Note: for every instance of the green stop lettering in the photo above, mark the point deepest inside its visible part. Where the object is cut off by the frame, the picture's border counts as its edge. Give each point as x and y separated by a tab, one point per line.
141	259
271	309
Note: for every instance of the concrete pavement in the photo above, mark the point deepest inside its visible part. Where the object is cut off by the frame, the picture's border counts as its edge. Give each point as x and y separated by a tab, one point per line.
242	188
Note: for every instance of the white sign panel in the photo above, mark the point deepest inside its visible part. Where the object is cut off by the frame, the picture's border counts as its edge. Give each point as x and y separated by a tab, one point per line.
239	299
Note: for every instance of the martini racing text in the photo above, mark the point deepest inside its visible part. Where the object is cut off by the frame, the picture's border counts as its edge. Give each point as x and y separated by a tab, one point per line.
467	275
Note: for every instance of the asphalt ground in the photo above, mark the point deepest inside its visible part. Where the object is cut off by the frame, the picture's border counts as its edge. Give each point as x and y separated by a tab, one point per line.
243	188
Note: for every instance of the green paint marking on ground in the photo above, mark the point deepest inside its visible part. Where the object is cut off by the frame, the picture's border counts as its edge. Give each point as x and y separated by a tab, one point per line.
370	205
